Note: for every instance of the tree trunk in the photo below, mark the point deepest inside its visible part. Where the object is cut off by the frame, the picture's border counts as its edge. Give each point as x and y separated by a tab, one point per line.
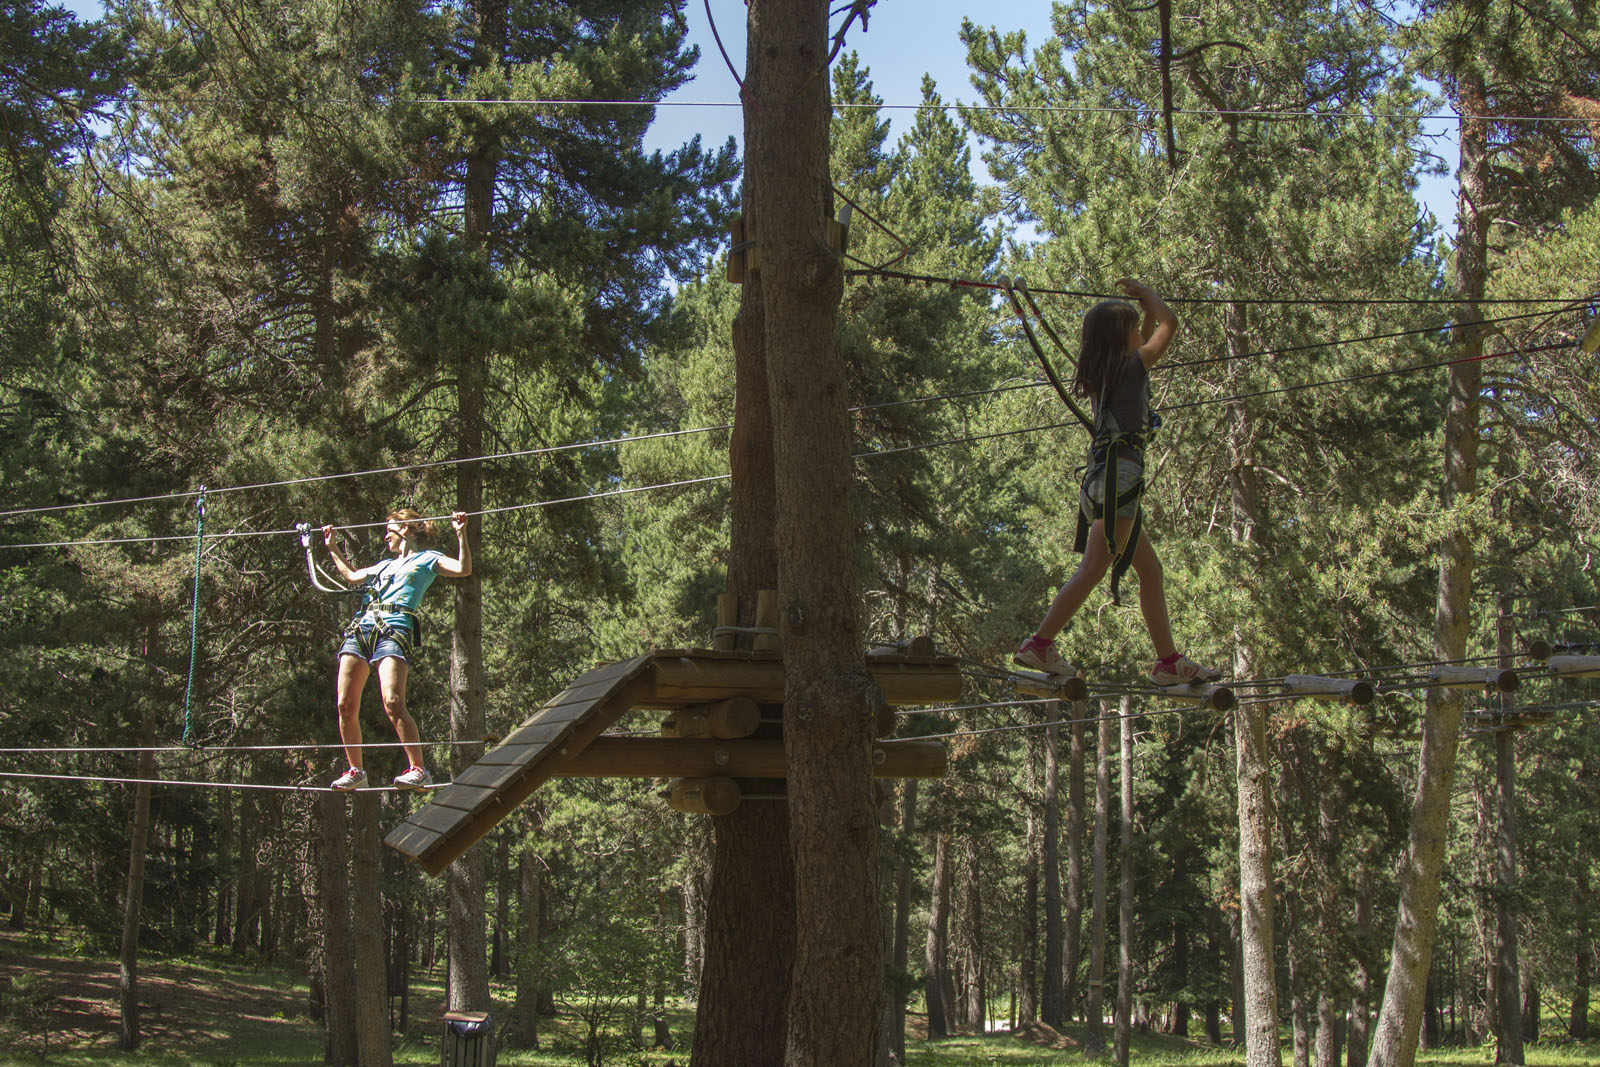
133	894
901	950
1052	1000
830	699
502	907
1028	947
749	942
1094	1038
338	947
1072	940
1509	1049
936	957
974	986
1395	1040
248	907
366	921
524	1028
1125	909
1582	964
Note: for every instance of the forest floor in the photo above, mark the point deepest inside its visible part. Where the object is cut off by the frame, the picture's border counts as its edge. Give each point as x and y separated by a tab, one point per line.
57	1007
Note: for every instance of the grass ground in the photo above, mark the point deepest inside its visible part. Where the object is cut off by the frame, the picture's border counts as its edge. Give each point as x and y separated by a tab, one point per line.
57	1008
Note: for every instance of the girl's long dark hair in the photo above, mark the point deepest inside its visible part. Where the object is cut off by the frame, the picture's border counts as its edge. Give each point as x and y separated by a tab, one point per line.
1103	351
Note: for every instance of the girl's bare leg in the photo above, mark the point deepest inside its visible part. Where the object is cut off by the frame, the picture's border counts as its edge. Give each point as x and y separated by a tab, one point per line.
353	671
392	674
1096	560
1153	596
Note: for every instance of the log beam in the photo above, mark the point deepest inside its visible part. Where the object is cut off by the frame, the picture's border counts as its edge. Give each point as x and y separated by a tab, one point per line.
1351	691
654	757
1506	681
691	678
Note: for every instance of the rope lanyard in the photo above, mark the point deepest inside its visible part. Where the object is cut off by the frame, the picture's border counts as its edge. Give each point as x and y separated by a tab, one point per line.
194	615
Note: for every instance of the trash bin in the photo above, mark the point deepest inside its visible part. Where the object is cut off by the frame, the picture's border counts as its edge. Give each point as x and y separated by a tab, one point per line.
468	1040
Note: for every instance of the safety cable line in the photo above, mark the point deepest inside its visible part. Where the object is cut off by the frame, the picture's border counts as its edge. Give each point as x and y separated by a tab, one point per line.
204	749
665	434
975	283
206	785
899	450
398	469
1054	109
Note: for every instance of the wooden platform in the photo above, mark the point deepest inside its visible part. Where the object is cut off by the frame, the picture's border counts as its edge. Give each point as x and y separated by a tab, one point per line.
558	740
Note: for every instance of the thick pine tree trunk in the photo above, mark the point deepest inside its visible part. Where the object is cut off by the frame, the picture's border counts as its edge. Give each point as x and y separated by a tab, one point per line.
830	700
974	974
366	921
465	883
1094	1037
936	956
1360	1028
1582	964
1395	1038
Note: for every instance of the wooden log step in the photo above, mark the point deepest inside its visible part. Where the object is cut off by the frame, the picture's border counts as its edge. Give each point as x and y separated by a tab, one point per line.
654	757
1215	697
703	796
1351	691
726	719
1575	666
1505	681
1040	684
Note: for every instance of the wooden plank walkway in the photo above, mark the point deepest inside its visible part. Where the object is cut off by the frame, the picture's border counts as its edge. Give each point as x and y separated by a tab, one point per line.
462	812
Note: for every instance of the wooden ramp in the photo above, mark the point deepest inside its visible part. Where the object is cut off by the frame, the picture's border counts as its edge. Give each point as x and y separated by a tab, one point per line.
490	789
559	740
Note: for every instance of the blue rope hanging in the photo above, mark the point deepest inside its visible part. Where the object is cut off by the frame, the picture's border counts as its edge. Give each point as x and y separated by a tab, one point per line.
194	615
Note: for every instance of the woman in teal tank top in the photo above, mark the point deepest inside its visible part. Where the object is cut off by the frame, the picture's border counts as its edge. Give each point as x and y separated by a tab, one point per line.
383	634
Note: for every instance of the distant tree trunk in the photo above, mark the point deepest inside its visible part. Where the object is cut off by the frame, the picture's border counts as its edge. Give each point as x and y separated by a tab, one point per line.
524	1027
1236	976
223	932
1028	948
1125	909
1360	1028
663	1027
1582	964
133	894
366	921
694	915
246	902
502	907
975	986
338	947
1509	1049
1072	944
936	957
1395	1039
1053	998
1327	1051
901	944
1094	1038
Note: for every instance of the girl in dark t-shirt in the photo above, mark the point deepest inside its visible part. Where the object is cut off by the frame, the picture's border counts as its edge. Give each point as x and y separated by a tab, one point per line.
1114	360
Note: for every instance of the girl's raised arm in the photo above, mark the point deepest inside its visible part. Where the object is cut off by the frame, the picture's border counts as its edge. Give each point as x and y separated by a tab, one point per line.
461	566
1160	324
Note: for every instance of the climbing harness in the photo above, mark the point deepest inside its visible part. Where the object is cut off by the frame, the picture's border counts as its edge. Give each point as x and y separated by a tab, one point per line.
194	615
368	625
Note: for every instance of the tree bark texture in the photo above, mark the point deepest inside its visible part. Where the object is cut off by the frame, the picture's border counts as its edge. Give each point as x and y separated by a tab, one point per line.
1396	1034
974	985
338	947
366	922
830	700
524	1028
1507	972
749	942
1028	949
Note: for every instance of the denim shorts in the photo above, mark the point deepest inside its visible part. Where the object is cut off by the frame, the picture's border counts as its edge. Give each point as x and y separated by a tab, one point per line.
385	648
1129	471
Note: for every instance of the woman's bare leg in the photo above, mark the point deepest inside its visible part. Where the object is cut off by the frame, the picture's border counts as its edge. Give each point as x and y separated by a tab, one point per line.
392	674
1096	560
353	671
1153	596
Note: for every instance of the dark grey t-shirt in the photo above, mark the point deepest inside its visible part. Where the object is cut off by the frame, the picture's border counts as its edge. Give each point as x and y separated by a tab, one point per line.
1129	399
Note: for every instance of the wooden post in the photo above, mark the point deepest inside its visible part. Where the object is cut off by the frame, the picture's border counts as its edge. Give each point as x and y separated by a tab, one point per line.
766	619
727	617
